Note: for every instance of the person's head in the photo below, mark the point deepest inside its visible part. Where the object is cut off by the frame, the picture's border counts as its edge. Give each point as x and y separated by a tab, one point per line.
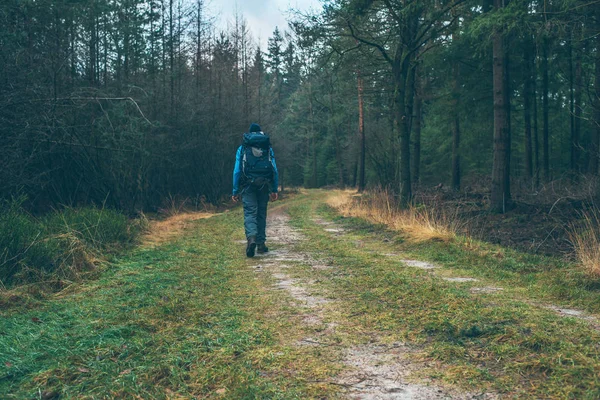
254	128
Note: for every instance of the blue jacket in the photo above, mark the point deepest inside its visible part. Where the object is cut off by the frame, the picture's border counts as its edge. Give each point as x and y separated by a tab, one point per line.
237	172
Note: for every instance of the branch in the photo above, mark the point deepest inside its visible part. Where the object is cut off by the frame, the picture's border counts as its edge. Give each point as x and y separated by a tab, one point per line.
369	43
84	98
434	20
392	11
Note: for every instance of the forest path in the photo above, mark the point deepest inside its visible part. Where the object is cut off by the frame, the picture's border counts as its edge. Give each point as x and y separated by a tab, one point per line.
442	315
372	368
339	308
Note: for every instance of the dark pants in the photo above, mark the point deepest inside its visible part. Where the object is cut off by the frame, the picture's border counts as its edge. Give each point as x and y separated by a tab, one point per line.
255	202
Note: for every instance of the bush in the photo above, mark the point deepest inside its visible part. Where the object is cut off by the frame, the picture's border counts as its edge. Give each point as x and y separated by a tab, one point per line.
586	243
23	243
379	206
60	245
98	229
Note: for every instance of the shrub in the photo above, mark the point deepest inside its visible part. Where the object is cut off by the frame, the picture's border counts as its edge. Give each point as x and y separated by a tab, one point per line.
585	239
23	243
60	245
98	229
379	206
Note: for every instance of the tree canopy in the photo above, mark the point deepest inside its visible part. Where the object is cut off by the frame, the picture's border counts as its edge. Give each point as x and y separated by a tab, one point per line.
129	102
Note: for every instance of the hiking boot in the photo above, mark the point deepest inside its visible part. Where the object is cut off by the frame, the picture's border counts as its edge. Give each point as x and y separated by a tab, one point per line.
251	246
262	248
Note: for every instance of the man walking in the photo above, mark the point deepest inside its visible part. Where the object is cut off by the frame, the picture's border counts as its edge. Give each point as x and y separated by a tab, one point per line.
256	179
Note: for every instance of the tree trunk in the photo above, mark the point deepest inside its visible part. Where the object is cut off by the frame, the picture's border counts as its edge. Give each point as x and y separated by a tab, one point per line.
577	111
400	72
546	127
527	89
93	43
314	180
536	141
456	153
456	173
595	142
361	133
573	163
172	58
335	131
455	132
416	137
508	153
500	196
410	96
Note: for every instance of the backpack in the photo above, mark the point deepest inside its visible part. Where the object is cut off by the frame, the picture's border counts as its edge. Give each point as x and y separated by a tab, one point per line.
256	160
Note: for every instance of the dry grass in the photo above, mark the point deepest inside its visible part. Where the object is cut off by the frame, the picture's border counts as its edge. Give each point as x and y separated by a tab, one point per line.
586	242
174	205
419	223
162	231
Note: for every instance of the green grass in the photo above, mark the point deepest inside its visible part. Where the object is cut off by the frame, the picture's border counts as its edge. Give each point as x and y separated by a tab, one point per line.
544	278
59	245
500	342
189	318
100	229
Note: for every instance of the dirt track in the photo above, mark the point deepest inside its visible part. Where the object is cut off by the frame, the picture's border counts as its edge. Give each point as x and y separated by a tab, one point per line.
373	370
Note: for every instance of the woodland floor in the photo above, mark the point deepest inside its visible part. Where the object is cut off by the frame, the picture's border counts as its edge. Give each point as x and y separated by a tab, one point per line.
534	224
338	309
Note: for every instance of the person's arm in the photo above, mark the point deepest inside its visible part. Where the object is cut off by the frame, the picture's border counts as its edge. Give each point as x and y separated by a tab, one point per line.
275	173
237	171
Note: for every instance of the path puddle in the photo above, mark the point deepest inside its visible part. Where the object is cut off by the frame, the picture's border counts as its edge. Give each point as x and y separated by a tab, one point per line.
460	280
486	289
299	293
284	255
571	312
329	226
321	267
418	264
321	221
308	342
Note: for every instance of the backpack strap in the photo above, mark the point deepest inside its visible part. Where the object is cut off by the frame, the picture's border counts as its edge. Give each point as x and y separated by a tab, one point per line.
244	159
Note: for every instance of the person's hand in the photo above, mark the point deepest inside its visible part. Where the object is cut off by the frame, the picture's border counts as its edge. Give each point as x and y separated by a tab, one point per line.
235	198
274	196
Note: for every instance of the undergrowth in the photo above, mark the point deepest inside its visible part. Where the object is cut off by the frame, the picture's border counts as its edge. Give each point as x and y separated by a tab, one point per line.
586	243
60	245
421	224
378	206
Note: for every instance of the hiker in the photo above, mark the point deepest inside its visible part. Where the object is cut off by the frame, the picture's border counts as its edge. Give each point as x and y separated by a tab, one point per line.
255	179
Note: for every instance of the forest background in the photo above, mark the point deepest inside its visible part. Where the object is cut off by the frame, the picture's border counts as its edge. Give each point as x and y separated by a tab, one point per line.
130	104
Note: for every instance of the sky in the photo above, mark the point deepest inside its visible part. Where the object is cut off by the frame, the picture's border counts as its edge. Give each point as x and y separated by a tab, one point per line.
262	15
